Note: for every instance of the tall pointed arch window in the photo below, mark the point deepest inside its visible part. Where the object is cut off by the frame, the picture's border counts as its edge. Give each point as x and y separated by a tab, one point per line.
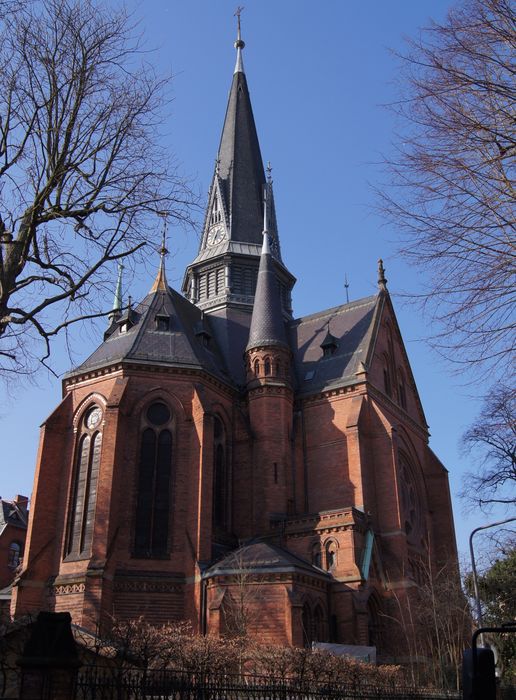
330	554
220	477
151	533
307	624
81	516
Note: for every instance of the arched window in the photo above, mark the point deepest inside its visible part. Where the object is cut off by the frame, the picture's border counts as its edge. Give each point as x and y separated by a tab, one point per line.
330	551
411	502
316	555
154	482
319	626
267	366
387	378
14	555
306	621
256	367
81	516
220	490
373	622
401	390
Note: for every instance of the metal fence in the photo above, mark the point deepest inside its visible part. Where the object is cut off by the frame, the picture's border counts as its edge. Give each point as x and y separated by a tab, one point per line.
168	685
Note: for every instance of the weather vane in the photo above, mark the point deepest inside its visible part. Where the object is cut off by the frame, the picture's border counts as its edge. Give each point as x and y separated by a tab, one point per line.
163	249
239	44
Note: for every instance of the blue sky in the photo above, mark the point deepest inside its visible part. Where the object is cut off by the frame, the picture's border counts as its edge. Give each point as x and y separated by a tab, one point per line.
318	74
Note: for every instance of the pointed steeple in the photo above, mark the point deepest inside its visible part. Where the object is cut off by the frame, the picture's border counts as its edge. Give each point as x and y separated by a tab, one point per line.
267	324
240	161
222	279
116	311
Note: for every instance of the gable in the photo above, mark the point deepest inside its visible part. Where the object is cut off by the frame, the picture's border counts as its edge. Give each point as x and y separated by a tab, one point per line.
389	368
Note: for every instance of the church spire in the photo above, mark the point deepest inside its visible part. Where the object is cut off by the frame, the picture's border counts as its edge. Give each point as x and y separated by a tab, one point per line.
239	176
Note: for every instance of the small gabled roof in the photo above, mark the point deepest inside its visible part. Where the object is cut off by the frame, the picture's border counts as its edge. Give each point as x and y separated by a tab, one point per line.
11	513
262	557
145	341
352	330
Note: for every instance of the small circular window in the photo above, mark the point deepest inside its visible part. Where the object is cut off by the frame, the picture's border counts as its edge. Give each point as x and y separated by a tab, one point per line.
93	418
158	413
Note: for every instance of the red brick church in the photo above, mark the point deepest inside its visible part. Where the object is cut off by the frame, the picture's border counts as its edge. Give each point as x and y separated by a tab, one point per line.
216	452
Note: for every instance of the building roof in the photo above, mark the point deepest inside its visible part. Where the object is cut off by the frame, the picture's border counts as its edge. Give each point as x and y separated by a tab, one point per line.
267	324
353	330
262	557
13	513
191	341
143	340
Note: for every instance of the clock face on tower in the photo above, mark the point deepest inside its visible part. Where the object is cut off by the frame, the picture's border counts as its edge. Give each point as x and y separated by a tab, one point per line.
216	234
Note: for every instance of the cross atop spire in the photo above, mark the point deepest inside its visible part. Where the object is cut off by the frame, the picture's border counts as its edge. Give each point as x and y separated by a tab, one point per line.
160	283
239	44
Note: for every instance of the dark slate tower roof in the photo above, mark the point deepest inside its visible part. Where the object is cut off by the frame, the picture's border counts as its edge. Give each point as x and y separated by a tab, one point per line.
239	177
165	329
267	324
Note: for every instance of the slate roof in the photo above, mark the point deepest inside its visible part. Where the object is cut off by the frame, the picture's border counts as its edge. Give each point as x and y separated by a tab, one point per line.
267	324
261	557
353	328
241	165
12	514
181	346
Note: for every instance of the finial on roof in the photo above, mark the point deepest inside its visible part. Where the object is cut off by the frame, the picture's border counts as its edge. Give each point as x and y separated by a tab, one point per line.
382	280
265	210
116	311
239	44
160	283
346	287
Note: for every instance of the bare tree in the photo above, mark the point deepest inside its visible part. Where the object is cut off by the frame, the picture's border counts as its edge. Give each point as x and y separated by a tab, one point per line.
82	170
452	190
492	441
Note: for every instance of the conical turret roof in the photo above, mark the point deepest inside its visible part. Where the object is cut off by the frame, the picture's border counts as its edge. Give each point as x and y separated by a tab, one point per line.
267	324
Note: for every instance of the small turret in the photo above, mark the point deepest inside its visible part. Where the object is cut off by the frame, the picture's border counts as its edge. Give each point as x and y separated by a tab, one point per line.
270	396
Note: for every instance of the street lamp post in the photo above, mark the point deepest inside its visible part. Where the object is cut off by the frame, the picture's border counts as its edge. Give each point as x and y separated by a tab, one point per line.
474	568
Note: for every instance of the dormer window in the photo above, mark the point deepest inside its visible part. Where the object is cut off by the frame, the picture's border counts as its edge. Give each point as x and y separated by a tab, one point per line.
329	345
202	333
162	323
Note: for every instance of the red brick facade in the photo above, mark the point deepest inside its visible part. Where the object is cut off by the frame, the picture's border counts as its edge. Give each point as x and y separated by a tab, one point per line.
311	475
288	487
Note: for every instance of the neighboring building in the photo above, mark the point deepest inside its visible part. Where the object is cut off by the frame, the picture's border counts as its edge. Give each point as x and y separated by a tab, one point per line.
13	531
219	460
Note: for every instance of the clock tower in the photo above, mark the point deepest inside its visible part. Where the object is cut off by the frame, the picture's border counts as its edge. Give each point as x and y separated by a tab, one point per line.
221	280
